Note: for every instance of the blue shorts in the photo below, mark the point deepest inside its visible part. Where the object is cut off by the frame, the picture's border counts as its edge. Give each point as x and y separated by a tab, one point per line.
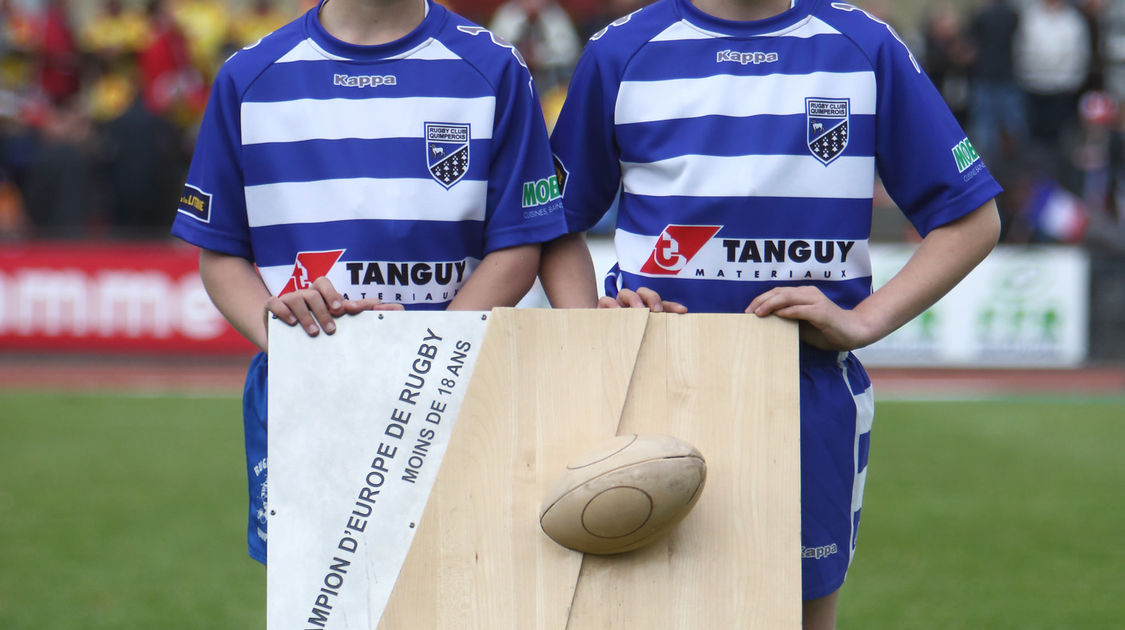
254	398
837	408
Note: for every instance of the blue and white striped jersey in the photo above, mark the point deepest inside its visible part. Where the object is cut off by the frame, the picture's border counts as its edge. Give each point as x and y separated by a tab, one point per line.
743	155
391	169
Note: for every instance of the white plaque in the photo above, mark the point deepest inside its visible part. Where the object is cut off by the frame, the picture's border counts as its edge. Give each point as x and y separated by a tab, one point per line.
359	423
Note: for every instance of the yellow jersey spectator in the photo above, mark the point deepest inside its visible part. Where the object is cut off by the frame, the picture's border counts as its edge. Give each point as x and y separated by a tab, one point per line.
258	19
206	26
111	92
116	29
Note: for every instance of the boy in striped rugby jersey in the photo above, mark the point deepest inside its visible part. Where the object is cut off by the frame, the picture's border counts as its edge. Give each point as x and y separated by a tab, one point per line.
740	141
372	154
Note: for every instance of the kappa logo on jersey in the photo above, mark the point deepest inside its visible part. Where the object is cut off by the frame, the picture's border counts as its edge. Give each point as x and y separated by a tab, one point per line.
309	267
746	58
447	152
827	127
676	246
819	553
195	203
364	80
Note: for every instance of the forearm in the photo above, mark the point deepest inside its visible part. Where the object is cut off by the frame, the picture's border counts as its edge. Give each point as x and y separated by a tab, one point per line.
567	273
944	257
238	292
501	279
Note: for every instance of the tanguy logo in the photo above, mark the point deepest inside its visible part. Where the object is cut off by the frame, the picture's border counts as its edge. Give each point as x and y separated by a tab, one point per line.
676	246
406	274
310	266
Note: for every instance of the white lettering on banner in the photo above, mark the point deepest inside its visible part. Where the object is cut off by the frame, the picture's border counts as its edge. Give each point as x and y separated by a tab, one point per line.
43	302
106	303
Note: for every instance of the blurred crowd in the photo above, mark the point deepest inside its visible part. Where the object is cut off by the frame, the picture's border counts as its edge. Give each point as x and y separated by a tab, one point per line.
98	115
97	119
1040	87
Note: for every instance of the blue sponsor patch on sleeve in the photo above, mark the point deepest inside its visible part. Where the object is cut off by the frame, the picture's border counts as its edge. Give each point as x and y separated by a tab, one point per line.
195	203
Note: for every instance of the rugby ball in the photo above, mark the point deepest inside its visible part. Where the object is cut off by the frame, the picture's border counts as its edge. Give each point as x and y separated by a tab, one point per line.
623	494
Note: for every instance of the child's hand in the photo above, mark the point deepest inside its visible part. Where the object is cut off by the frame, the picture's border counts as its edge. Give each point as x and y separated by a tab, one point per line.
641	298
823	324
316	308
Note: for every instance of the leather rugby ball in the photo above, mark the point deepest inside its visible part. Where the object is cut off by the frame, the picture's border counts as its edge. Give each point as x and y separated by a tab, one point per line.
623	494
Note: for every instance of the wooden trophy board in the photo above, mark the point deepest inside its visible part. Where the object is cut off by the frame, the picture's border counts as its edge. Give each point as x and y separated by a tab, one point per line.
546	386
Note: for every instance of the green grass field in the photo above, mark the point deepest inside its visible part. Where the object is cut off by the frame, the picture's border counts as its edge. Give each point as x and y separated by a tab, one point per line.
128	512
124	513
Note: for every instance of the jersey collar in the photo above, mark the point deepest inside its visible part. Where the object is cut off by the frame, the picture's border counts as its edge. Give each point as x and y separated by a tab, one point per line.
435	15
799	10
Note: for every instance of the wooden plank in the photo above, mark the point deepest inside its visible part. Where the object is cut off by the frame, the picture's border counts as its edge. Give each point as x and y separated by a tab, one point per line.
547	385
729	385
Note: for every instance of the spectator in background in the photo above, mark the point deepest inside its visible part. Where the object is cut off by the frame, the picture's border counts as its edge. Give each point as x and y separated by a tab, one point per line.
257	19
111	40
1090	153
1092	12
1052	61
1042	210
56	50
62	185
1112	35
110	84
13	221
1099	169
19	105
13	86
114	31
543	32
947	56
206	25
145	163
17	28
170	84
998	122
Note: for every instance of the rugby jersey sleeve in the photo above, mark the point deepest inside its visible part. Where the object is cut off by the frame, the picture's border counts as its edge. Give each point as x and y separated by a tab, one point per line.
212	209
924	158
524	201
586	152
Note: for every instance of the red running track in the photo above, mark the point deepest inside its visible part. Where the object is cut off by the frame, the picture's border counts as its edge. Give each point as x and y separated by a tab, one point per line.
225	377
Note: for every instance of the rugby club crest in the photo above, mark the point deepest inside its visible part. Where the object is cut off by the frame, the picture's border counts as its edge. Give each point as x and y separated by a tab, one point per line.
827	127
447	152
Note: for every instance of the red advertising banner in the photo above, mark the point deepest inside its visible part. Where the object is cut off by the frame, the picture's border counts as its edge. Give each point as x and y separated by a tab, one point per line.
127	298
